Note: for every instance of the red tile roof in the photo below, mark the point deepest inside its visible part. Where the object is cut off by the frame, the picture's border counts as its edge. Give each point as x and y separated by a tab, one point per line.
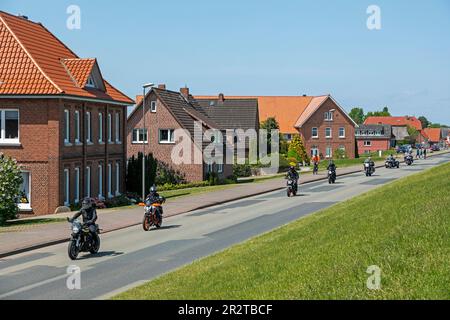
395	121
289	111
434	134
34	62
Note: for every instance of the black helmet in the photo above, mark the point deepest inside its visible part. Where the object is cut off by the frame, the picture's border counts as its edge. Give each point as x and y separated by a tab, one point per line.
153	189
86	204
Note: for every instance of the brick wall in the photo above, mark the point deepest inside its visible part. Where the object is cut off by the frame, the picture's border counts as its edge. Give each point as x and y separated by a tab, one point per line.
378	144
339	120
44	153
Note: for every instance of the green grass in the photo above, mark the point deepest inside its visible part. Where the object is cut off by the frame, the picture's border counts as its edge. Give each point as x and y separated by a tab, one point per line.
403	228
19	225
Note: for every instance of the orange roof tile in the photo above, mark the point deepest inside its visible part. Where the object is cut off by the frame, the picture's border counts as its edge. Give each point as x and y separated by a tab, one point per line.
34	62
395	121
434	134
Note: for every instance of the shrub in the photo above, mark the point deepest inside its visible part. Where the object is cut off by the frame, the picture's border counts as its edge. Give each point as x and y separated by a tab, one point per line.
119	201
10	181
242	170
297	149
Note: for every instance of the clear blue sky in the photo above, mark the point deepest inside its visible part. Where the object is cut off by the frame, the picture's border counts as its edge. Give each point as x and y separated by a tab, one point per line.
256	47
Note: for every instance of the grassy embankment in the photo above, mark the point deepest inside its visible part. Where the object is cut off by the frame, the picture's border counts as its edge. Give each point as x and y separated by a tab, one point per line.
403	228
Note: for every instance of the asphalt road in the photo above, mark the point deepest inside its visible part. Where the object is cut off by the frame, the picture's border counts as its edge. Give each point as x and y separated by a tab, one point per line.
131	256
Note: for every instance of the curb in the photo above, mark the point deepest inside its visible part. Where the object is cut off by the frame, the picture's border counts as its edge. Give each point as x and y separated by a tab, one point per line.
59	241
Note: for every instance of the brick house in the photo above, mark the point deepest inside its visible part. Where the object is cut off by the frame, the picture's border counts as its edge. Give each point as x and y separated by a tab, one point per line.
60	119
374	137
400	126
434	135
320	120
167	111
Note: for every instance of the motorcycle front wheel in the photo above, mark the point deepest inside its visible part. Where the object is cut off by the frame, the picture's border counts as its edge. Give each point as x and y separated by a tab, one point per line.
72	250
146	224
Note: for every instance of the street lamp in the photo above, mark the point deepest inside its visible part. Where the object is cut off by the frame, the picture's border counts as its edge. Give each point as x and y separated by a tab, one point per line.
145	136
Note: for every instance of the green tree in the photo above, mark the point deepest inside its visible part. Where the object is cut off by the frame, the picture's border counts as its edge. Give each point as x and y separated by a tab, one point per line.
270	124
10	181
384	113
413	133
424	121
357	114
297	149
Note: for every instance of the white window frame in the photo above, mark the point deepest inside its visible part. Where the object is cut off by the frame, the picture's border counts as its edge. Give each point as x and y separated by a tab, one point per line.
117	179
26	206
3	139
316	136
153	106
110	180
66	127
109	128
88	127
100	181
87	182
314	151
367	143
66	187
341	128
329	154
100	127
77	186
138	141
219	167
326	133
90	83
328	116
117	127
171	136
77	127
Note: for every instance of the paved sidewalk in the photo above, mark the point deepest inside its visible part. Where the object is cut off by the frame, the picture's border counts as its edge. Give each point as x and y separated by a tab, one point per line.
114	219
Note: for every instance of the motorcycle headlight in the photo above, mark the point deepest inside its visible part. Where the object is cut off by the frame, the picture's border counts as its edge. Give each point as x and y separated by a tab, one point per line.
75	229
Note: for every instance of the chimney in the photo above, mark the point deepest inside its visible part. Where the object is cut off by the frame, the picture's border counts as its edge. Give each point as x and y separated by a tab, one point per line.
185	92
139	99
22	16
221	97
162	86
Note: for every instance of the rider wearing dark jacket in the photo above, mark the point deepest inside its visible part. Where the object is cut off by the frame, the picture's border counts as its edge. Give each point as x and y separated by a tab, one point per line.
153	197
88	214
292	174
331	166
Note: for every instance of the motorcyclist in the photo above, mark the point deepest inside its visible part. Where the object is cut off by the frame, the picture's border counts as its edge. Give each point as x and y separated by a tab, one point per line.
88	213
331	166
293	175
370	162
153	197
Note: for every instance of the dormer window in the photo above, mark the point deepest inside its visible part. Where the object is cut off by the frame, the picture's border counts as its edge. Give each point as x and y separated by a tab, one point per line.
90	82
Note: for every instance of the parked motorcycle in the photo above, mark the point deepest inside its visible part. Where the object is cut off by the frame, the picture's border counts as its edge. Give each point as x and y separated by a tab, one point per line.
409	160
331	176
291	188
369	169
392	163
82	240
153	213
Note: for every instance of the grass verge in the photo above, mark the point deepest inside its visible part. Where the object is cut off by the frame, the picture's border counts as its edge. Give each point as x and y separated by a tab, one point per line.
19	225
403	228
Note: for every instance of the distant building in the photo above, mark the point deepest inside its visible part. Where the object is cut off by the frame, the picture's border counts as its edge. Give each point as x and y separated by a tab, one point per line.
374	137
399	126
434	135
323	124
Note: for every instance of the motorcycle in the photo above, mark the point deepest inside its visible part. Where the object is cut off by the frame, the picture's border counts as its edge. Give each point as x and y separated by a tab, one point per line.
82	240
409	159
153	213
291	188
369	169
390	164
331	176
